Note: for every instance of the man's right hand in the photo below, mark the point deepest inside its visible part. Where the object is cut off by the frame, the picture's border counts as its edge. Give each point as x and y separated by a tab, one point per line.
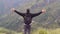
43	10
12	9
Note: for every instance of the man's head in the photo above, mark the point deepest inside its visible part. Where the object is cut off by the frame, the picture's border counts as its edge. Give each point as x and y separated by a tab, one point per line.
28	11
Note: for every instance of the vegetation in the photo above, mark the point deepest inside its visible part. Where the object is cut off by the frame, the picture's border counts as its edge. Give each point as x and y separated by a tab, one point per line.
37	31
47	31
50	21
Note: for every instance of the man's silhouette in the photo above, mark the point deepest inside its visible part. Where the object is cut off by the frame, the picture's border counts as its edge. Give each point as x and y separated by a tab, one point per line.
27	19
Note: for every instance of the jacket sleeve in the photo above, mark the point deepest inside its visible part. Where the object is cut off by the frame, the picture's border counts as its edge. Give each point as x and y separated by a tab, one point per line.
36	14
22	14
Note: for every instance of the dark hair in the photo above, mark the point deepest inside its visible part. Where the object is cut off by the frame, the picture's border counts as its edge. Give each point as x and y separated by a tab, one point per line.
28	10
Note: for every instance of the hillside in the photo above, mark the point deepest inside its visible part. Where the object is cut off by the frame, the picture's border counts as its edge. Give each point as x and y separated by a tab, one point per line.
51	19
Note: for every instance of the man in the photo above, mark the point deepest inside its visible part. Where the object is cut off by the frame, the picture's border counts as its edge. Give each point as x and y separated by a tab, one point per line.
28	18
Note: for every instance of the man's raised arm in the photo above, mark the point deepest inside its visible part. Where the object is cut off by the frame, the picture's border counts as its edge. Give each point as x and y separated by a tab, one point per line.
13	9
43	11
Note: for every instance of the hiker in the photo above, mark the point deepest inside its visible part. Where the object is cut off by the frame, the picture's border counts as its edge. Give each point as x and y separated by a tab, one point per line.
28	18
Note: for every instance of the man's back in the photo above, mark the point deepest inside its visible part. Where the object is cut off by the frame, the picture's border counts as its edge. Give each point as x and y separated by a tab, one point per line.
28	16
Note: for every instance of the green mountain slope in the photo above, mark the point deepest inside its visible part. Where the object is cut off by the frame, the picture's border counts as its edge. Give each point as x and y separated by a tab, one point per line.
51	19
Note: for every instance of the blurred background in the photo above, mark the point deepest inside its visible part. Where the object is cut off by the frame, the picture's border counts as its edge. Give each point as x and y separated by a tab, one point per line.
12	23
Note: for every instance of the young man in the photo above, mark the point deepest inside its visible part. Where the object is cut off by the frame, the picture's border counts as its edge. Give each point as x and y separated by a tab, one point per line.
28	18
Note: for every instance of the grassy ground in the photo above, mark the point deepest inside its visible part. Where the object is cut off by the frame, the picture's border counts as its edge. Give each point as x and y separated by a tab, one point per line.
38	31
47	31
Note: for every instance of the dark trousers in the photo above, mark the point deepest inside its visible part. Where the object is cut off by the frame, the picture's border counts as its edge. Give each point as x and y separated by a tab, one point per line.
27	29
